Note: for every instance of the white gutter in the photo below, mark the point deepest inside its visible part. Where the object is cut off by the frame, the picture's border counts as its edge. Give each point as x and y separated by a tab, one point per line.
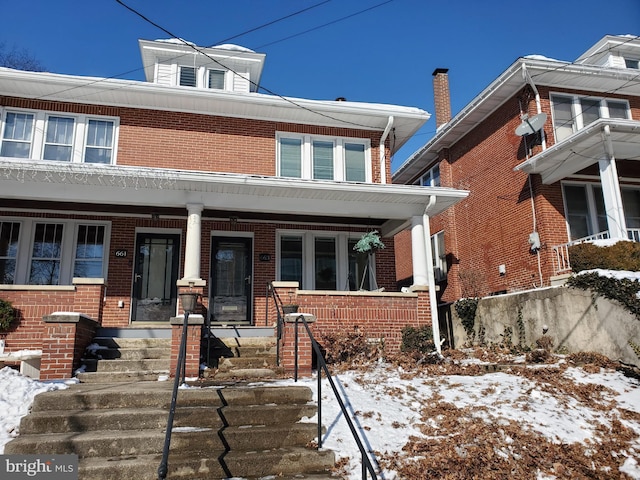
529	80
383	138
431	281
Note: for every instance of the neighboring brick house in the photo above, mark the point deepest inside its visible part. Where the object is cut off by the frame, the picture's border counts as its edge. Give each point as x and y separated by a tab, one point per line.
549	152
116	194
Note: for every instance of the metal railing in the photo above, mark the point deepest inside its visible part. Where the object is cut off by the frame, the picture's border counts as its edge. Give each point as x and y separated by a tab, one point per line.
271	293
561	252
181	367
367	464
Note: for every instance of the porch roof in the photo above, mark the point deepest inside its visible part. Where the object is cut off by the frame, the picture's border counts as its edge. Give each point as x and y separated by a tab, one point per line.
584	148
390	205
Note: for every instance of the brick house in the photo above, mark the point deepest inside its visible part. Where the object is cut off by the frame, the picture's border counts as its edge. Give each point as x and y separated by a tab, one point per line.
115	195
549	154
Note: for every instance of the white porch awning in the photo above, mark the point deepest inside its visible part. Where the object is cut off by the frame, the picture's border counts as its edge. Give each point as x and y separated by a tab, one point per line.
584	148
120	185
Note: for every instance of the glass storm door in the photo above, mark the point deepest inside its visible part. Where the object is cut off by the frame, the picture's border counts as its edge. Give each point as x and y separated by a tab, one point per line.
154	277
231	268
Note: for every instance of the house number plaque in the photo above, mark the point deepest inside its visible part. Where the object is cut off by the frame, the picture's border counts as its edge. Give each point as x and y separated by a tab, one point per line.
120	253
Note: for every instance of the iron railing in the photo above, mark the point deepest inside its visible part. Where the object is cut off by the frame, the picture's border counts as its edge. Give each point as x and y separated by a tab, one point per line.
163	469
367	464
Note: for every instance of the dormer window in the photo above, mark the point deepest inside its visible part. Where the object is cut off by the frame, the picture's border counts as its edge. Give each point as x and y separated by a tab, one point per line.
188	76
632	63
216	79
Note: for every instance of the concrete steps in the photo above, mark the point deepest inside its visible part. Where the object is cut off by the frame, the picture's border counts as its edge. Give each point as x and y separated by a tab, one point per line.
118	431
115	419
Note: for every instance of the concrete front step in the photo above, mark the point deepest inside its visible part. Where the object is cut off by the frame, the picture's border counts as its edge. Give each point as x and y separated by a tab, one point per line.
283	463
121	377
58	421
158	395
133	342
119	365
184	440
132	353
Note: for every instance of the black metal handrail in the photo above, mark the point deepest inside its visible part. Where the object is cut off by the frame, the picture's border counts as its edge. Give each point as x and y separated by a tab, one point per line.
272	293
163	469
367	465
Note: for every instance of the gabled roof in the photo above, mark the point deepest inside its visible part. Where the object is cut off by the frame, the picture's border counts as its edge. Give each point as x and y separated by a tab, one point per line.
136	94
540	71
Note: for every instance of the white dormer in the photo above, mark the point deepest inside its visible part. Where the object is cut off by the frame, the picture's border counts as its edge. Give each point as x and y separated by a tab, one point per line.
182	64
613	52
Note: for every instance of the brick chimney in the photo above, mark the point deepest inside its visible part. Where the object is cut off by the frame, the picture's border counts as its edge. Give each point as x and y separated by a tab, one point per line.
441	96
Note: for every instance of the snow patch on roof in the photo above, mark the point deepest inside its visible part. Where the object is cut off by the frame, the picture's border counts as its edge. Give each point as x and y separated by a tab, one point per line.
540	57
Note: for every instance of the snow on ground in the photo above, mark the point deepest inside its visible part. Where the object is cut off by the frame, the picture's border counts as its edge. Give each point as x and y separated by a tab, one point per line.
387	402
16	396
387	405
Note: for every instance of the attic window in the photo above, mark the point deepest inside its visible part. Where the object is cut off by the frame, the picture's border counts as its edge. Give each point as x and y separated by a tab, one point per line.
632	63
216	79
187	76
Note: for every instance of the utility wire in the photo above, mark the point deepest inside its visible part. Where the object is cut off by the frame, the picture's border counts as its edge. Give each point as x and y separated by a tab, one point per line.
271	92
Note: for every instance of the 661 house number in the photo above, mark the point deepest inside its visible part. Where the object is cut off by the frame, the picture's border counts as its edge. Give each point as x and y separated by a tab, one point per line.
120	253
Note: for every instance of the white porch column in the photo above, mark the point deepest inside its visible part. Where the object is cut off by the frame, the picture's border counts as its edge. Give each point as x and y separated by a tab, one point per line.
192	243
418	252
611	190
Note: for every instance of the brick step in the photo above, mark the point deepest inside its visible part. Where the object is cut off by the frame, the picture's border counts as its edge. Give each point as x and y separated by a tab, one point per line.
195	440
156	394
59	421
298	463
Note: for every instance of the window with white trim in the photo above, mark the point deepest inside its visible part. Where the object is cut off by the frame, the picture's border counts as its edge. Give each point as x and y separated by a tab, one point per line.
439	256
215	79
323	158
585	211
571	112
59	137
188	77
44	252
323	261
431	177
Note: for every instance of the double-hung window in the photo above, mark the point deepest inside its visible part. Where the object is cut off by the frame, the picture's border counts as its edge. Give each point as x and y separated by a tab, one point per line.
41	135
323	158
41	252
17	135
571	113
58	142
439	256
323	261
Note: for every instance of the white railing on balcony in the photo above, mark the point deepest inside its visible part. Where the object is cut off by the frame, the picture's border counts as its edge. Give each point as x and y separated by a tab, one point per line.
561	252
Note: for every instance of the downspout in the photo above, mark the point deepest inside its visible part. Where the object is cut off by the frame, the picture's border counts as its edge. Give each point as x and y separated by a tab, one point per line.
543	137
383	138
433	301
529	80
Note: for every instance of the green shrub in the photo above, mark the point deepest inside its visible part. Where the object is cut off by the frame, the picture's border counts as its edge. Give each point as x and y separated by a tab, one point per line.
466	310
619	256
622	290
418	339
7	315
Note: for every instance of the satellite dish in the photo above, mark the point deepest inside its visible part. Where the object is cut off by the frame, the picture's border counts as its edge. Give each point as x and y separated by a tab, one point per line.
531	125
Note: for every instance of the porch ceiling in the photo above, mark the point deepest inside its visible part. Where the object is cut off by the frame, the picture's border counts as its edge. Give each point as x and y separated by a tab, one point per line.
391	205
584	148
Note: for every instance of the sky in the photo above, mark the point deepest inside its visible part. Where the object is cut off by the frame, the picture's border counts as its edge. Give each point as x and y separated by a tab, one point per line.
375	51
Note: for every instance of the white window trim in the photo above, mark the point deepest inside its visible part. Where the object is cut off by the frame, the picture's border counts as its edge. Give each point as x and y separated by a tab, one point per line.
68	243
439	260
339	164
429	174
81	124
576	108
308	255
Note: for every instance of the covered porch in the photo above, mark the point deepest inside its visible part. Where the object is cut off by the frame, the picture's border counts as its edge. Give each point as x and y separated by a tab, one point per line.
599	183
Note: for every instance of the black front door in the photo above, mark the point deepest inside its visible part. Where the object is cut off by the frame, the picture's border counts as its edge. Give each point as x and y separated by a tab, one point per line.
154	277
231	267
